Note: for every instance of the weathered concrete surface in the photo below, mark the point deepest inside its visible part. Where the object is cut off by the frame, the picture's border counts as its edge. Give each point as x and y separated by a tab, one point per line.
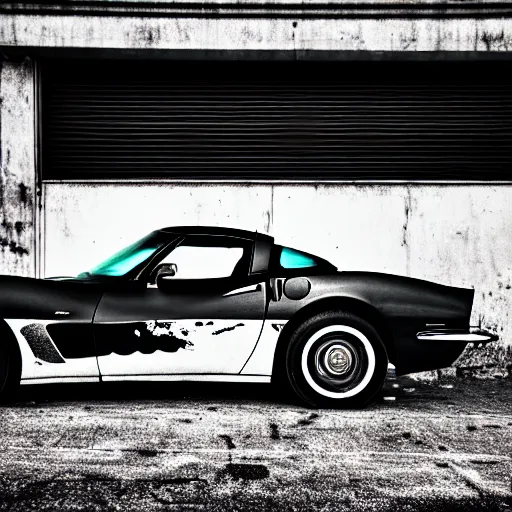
85	224
204	447
17	168
452	234
215	28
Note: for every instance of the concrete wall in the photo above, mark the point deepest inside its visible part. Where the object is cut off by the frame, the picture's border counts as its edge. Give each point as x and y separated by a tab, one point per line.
17	168
415	26
458	235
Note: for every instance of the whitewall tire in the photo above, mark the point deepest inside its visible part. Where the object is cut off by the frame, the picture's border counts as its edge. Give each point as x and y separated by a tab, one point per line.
336	359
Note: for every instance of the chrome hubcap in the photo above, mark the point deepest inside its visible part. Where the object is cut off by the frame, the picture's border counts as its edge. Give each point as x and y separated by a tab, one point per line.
338	360
335	359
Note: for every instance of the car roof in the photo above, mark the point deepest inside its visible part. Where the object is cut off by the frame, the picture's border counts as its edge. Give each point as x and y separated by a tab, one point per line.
214	230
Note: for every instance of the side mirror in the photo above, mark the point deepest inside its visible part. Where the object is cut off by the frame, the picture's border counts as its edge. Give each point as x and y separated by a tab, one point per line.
165	272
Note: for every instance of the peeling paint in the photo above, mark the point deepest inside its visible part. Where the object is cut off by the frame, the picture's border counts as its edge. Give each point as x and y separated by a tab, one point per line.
170	329
144	337
150	336
227	329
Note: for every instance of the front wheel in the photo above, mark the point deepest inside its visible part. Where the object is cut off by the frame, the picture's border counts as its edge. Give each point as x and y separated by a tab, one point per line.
336	359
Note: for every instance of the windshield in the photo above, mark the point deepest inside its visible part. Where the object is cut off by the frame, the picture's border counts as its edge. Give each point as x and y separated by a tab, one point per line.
128	258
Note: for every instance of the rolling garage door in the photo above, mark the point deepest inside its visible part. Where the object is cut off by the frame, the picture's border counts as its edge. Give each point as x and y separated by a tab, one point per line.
276	121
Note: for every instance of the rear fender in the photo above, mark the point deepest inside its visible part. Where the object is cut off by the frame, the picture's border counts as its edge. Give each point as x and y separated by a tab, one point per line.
349	304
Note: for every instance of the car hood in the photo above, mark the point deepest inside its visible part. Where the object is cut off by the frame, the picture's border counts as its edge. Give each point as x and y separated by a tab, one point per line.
29	298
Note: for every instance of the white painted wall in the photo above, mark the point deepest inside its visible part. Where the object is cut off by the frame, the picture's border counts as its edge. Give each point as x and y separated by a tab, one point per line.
458	235
84	224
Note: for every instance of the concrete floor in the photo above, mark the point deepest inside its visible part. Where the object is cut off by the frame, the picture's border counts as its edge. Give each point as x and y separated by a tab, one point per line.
443	446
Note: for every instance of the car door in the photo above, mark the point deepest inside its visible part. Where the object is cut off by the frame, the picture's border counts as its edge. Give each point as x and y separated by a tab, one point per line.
204	319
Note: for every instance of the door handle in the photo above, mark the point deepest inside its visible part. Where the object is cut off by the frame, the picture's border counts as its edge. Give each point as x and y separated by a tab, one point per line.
277	285
244	289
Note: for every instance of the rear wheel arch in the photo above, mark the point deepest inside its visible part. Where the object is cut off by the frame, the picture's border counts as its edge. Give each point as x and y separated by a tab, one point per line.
347	304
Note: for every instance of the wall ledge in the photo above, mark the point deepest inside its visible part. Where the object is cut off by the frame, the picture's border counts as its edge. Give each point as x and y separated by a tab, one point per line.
346	9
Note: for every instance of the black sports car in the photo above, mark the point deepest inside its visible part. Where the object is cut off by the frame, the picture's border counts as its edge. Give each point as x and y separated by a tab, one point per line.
218	304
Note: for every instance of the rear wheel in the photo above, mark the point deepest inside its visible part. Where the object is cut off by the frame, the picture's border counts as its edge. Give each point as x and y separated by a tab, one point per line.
10	367
336	359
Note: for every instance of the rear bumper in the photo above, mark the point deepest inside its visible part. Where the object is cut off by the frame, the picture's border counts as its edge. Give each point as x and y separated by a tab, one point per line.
473	335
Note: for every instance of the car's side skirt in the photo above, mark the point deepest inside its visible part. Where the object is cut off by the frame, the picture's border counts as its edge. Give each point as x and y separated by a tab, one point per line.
57	380
262	379
256	379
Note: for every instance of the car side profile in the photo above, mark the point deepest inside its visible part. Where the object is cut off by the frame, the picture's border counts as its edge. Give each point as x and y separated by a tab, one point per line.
220	304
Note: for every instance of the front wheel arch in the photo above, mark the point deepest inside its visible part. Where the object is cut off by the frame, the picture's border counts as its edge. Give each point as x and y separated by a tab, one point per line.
9	342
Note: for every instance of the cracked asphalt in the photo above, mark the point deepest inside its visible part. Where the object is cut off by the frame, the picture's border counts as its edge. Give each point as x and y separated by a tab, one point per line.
183	446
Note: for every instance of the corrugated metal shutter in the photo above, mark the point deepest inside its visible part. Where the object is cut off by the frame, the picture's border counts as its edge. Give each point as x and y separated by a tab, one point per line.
270	121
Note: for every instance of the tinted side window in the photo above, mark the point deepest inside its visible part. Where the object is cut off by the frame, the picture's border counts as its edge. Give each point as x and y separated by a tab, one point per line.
288	261
291	258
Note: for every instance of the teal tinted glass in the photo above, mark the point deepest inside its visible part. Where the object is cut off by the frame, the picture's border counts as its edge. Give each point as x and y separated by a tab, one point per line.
290	258
128	258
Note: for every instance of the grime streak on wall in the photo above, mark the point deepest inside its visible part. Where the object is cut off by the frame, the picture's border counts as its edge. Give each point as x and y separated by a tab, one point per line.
17	171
